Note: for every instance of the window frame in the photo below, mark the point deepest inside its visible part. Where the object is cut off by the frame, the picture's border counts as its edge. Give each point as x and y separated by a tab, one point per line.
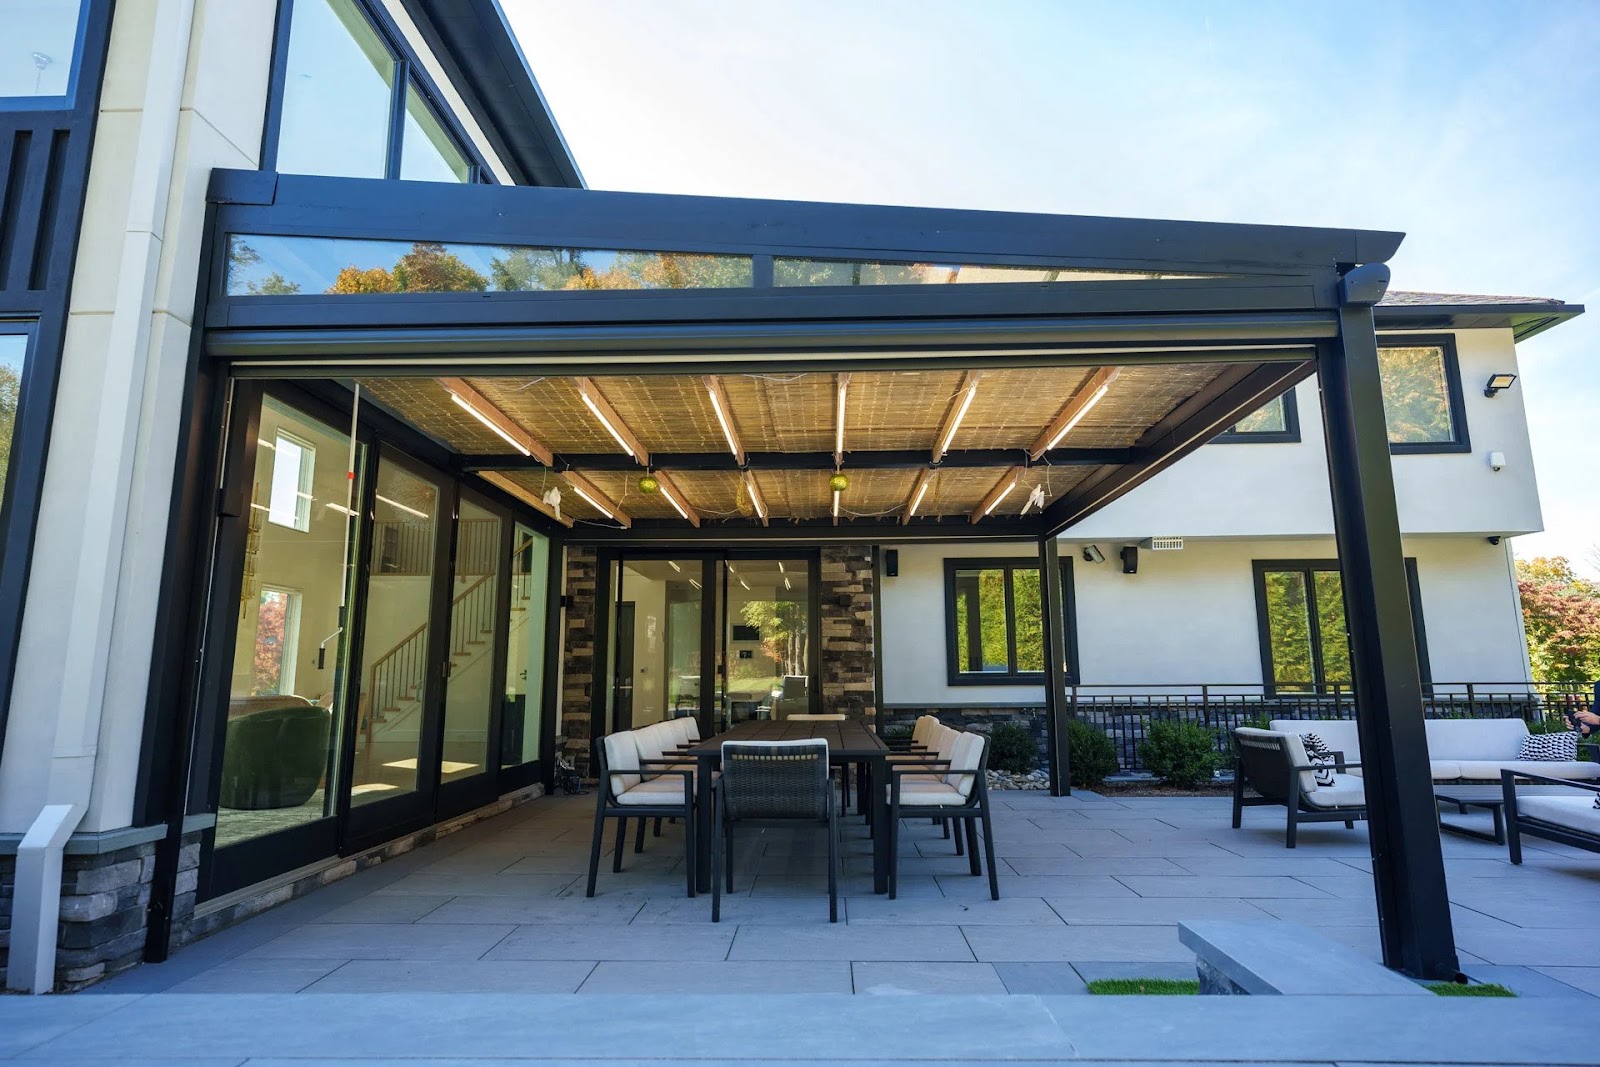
304	476
1290	434
27	329
1461	439
289	659
409	72
1309	567
956	677
65	101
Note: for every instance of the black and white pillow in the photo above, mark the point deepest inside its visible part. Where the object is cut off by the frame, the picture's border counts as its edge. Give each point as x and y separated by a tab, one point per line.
1549	748
1321	757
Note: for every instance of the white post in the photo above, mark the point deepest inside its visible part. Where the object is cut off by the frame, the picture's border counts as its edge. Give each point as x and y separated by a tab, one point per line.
36	904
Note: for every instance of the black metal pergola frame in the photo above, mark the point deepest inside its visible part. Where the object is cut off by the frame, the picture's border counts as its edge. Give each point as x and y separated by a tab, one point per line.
1277	305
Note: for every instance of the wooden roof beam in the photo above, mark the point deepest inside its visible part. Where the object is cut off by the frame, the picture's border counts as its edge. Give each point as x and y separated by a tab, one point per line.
724	413
919	490
601	409
504	426
841	383
1001	490
527	496
958	411
754	492
1072	412
674	496
598	500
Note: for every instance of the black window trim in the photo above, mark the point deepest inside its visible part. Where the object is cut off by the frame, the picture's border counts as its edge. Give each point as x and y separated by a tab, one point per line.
408	72
1290	434
1012	676
1259	570
1461	440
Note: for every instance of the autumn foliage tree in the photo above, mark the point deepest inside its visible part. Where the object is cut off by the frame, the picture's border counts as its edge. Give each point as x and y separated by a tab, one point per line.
1561	614
428	267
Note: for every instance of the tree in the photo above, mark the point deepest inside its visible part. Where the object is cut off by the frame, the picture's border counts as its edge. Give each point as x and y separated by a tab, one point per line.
1415	399
272	618
9	385
428	267
1561	614
274	284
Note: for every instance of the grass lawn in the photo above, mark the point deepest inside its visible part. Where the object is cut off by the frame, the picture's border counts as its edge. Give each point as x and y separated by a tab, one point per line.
1158	987
1482	989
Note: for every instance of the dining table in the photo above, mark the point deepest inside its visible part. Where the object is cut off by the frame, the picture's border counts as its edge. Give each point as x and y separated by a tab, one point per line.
849	741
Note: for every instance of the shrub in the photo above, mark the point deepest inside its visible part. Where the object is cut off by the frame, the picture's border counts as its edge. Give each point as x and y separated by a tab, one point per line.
897	733
1091	755
1012	749
1182	754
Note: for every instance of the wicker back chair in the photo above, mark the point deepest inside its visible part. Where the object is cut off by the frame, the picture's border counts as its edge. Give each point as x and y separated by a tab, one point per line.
771	782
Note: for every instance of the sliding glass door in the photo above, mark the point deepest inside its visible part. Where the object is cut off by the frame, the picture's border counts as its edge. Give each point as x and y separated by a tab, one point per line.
769	632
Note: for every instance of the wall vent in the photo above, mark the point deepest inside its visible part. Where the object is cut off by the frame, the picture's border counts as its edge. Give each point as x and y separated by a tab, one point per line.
1162	544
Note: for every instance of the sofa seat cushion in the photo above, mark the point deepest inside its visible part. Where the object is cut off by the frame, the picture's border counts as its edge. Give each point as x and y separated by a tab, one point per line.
1440	770
1489	770
1347	791
656	791
930	794
1573	812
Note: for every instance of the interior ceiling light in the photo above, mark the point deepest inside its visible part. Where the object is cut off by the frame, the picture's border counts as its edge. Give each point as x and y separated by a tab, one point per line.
695	582
467	406
745	584
674	565
786	584
340	508
404	507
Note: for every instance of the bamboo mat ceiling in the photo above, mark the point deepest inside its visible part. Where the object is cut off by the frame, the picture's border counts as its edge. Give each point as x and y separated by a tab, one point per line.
795	413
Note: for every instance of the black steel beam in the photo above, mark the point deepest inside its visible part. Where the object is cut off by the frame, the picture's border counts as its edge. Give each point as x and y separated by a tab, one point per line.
1057	739
900	459
1236	392
1402	817
664	532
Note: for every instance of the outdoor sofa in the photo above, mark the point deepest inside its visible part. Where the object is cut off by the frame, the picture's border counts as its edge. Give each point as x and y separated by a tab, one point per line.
1459	750
1571	819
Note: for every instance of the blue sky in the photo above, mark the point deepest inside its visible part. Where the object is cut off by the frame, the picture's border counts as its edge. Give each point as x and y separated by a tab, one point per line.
1472	126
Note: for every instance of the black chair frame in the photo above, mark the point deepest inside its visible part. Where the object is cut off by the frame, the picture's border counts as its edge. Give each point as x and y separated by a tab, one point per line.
608	807
1518	824
1266	769
974	809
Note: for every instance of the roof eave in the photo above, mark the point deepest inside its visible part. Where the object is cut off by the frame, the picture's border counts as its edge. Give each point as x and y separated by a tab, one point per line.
1524	320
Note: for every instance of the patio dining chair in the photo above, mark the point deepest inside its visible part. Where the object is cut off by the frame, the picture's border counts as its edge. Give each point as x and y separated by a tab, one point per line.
624	792
960	794
772	783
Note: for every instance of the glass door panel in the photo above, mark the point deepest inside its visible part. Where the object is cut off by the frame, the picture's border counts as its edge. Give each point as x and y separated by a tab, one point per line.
657	647
475	624
522	720
767	639
286	699
396	656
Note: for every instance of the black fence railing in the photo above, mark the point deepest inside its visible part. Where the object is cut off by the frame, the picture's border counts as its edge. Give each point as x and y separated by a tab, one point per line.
1125	712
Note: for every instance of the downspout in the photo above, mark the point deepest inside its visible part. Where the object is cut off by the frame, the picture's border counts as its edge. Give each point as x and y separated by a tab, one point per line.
107	481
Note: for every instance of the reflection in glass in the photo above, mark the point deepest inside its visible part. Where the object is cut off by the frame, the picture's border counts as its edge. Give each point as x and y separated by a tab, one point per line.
768	640
263	265
807	272
474	626
1289	631
523	719
1268	418
1335	641
1416	395
656	650
13	354
337	90
981	630
399	616
427	151
289	661
39	47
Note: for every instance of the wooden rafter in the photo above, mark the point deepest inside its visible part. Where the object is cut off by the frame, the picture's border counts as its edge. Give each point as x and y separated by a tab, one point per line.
724	413
601	408
484	410
527	496
919	490
756	500
1001	488
605	504
1073	411
670	490
841	385
957	412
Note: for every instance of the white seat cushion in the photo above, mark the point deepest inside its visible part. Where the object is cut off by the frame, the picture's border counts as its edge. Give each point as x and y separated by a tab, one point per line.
622	760
930	794
1489	770
1345	792
964	756
666	789
1573	813
652	740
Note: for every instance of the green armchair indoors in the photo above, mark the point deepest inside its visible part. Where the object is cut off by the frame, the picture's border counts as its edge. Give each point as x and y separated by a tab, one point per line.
275	753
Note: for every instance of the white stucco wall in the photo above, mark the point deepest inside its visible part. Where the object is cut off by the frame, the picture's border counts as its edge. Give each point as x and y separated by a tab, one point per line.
1281	490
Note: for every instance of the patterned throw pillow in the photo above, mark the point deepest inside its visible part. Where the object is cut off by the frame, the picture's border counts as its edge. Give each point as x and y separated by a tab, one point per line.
1321	757
1549	748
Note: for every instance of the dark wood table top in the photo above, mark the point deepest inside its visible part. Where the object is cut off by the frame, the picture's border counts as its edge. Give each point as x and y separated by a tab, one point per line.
848	739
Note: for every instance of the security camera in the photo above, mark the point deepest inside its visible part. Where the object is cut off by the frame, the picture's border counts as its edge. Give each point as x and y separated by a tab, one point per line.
1092	554
1497	461
1494	539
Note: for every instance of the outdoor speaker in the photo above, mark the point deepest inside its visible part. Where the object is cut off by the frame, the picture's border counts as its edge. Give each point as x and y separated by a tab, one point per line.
1130	559
891	562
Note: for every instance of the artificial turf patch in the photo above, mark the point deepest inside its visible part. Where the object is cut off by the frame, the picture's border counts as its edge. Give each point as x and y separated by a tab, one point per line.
1480	989
1156	987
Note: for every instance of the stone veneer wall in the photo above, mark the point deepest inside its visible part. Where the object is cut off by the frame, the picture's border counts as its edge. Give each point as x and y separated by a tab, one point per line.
578	654
848	647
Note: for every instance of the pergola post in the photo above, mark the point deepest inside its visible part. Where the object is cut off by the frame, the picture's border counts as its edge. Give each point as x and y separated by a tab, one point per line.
1058	755
1407	864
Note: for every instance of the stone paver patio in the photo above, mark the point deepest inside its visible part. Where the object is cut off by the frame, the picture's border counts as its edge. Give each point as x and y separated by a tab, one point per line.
1090	887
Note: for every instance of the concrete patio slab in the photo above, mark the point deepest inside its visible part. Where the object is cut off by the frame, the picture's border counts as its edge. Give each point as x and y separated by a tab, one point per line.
908	978
660	942
854	943
384	941
1046	944
460	976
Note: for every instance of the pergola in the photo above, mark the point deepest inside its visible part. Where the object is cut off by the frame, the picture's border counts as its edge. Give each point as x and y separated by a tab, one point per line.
973	375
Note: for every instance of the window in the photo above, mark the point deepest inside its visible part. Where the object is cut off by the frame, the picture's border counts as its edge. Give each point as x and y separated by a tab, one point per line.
294	463
1305	644
995	621
39	50
13	357
277	642
1422	395
336	104
1276	421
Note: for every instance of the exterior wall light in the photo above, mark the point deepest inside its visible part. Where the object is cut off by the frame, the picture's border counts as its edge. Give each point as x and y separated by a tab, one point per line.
1092	554
1498	383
